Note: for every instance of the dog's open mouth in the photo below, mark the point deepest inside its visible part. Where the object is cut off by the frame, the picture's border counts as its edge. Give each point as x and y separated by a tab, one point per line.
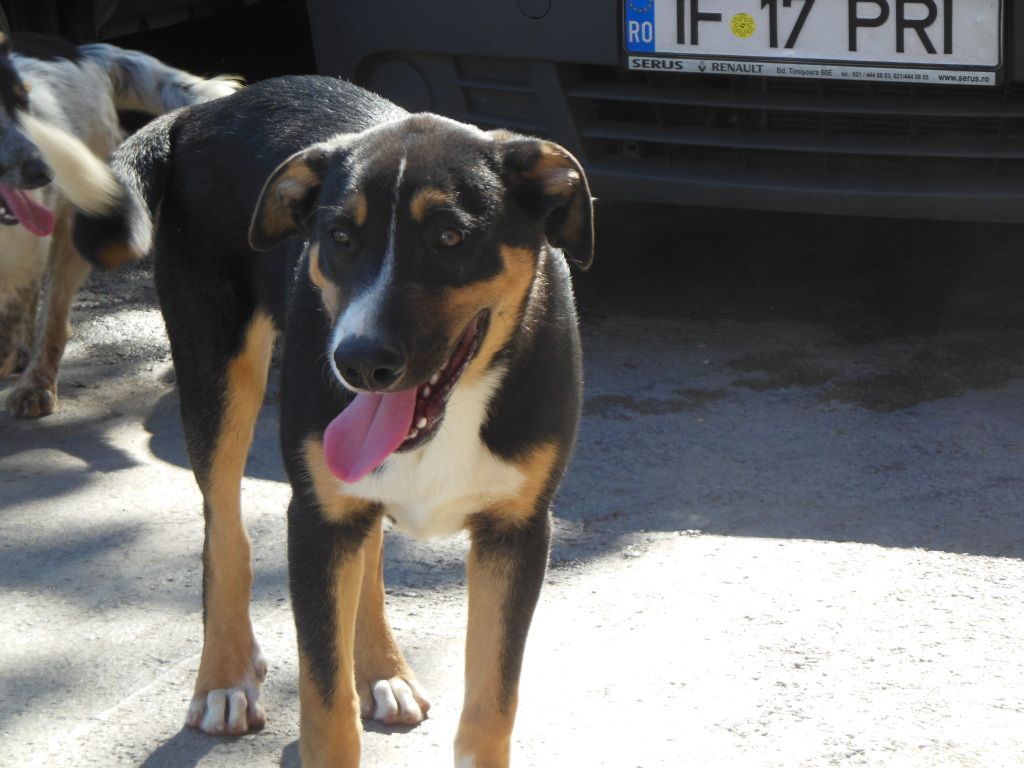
16	207
432	397
6	217
375	425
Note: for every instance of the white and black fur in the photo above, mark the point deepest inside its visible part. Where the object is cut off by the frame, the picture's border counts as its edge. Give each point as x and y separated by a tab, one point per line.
64	100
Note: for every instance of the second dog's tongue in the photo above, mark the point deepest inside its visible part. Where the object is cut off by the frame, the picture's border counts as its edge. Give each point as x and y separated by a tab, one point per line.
367	432
36	218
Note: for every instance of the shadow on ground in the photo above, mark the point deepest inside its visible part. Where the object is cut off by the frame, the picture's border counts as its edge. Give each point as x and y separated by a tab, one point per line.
839	379
185	749
861	324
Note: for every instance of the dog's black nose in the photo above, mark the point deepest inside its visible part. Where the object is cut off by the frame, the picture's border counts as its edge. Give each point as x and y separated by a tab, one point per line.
369	364
35	173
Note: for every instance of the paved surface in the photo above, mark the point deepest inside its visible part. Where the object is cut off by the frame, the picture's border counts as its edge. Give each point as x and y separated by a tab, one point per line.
791	536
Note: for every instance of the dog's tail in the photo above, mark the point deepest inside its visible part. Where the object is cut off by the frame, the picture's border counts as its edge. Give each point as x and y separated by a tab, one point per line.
115	202
145	84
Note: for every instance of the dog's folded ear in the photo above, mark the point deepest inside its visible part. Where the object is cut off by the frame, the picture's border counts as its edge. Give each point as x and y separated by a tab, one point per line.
549	183
288	198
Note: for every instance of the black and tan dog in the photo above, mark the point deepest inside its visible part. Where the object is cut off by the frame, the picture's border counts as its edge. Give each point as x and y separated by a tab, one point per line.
417	268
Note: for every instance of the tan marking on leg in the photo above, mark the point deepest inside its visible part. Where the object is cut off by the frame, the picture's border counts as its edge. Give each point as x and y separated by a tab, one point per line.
537	468
427	198
36	392
330	733
231	657
377	656
485	728
335	505
376	652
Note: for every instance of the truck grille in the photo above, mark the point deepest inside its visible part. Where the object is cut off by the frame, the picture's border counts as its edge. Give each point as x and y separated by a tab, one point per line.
499	93
811	128
776	143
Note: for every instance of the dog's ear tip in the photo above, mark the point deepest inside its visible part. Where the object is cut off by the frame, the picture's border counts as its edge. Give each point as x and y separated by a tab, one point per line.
581	258
552	183
260	239
287	198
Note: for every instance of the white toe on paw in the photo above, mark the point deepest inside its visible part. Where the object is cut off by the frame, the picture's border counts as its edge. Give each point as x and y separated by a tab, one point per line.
396	701
232	711
213	718
386	710
408	708
237	711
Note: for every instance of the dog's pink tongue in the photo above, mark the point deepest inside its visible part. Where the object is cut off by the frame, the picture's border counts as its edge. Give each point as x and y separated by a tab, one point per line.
367	432
36	218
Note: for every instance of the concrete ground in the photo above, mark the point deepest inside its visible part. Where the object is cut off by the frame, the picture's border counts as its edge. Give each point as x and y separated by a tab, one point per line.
791	536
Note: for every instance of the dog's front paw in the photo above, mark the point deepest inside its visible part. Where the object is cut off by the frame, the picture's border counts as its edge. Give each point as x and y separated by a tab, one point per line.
232	709
394	701
27	402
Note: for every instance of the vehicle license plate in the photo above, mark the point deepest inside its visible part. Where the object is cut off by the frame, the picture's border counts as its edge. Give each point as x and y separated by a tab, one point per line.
895	41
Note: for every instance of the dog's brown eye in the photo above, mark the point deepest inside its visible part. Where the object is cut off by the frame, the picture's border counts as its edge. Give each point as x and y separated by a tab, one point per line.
450	238
341	237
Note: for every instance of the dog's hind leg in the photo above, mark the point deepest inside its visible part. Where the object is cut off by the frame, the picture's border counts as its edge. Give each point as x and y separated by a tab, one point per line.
388	689
221	365
35	394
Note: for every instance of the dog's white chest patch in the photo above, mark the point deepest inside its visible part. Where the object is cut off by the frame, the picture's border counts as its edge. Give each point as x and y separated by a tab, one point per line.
431	490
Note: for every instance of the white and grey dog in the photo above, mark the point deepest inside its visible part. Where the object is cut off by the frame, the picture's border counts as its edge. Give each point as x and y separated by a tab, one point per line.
54	93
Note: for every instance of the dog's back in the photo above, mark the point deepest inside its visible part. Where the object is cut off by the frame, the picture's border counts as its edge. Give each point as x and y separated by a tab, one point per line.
81	88
143	83
79	91
232	165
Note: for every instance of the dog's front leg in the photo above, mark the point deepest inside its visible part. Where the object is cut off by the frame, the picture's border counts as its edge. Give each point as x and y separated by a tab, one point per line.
505	570
36	392
388	689
325	568
18	305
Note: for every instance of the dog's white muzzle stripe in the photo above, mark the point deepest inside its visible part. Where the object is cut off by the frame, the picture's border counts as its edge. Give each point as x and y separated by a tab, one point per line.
360	316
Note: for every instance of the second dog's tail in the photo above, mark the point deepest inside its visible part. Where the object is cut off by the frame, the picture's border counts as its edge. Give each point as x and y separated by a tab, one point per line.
116	202
145	84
